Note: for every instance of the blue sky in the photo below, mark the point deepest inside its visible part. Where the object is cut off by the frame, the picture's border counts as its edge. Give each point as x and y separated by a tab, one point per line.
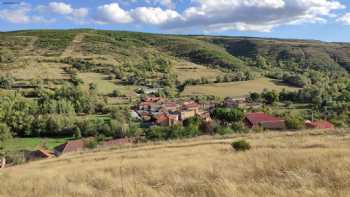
327	20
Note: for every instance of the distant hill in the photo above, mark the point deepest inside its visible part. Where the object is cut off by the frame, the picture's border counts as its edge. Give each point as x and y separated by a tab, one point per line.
233	53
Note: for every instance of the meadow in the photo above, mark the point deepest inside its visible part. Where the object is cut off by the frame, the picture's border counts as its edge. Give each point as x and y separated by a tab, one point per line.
105	86
236	89
307	163
186	71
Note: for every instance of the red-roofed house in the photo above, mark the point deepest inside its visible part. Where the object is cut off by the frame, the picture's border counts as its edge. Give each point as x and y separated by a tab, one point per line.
167	119
151	99
260	119
69	146
170	106
319	124
192	107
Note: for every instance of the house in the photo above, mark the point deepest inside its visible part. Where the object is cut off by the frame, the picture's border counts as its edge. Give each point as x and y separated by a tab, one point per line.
260	119
164	119
319	124
170	106
145	105
39	154
151	99
205	116
185	114
233	103
191	106
69	147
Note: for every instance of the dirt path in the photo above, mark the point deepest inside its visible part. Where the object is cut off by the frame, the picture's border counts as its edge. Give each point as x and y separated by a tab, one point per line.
71	49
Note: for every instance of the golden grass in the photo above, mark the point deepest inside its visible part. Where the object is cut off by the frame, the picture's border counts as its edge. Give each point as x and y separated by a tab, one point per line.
236	89
187	70
105	86
35	70
279	164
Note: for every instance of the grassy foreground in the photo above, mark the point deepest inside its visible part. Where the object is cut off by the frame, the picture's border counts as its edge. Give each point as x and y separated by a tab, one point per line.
310	163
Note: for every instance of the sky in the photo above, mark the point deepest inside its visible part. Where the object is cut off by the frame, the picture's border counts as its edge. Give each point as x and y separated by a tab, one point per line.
326	20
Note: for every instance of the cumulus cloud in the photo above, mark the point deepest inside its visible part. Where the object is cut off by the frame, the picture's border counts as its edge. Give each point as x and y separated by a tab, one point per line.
205	15
154	16
165	3
345	19
253	15
112	13
61	8
74	14
22	15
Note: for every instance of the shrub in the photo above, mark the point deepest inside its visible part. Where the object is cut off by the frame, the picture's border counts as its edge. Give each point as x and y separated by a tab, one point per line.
92	144
241	145
294	122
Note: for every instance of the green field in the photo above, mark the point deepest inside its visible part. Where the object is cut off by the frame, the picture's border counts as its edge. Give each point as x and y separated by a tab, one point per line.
33	143
105	86
236	89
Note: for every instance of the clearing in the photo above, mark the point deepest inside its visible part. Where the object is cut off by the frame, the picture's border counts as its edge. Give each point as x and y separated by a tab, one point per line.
188	70
105	86
236	89
288	164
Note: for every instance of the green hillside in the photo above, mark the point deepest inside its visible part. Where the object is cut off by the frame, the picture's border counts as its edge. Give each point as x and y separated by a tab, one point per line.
64	79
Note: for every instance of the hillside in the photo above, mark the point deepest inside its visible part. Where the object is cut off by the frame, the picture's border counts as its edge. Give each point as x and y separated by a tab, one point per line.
154	60
306	163
224	52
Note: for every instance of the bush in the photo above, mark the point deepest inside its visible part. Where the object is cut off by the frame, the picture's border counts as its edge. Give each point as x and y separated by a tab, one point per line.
241	145
224	130
294	122
92	144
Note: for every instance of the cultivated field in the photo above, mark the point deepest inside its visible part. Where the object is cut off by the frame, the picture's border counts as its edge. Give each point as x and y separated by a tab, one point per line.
236	89
291	164
187	70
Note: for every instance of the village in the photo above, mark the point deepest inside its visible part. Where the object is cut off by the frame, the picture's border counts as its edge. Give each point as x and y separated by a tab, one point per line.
156	111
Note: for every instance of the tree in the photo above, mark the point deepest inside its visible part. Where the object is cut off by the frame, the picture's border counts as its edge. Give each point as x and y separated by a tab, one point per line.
294	122
270	97
228	115
241	145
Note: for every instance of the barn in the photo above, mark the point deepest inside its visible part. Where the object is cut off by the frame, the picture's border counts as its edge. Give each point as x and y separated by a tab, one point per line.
260	119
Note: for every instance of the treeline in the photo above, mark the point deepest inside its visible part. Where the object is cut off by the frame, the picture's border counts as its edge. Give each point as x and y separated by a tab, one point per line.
57	113
230	77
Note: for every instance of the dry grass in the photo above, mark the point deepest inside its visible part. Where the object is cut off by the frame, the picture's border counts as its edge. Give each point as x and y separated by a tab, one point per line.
187	70
35	70
105	86
236	89
279	164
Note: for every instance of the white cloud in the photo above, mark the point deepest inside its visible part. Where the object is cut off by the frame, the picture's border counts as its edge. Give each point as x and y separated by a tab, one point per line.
165	3
19	15
22	15
345	19
112	13
154	16
253	15
61	8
